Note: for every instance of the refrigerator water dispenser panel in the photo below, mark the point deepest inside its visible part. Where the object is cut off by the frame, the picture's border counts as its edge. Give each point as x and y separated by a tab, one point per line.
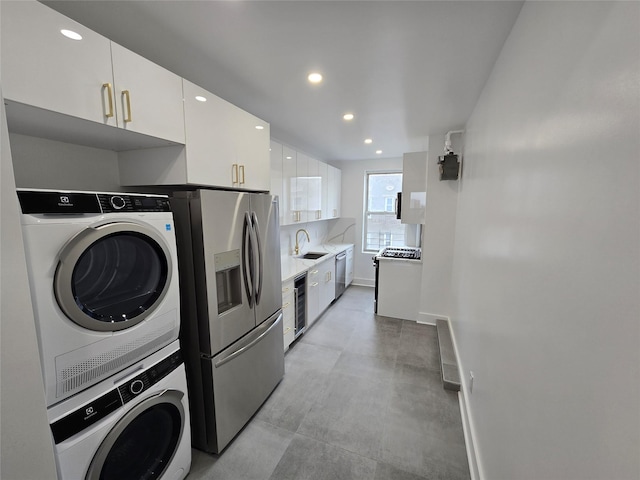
228	280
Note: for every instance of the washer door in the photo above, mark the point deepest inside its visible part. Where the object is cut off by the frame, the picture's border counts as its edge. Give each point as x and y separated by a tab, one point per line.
111	277
143	443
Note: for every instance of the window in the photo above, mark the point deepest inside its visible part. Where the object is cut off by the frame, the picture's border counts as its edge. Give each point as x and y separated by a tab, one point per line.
381	227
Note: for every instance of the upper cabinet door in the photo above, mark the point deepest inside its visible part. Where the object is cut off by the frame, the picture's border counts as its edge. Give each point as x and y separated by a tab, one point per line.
209	150
43	68
335	191
277	176
223	146
148	98
290	191
414	188
252	140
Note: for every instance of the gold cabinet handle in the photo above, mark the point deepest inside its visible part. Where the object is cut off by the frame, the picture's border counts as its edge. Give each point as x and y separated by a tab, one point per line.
127	97
286	305
110	95
242	174
314	272
314	284
234	170
287	330
285	289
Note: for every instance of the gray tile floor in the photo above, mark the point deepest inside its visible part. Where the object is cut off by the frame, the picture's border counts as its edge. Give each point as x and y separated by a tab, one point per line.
362	398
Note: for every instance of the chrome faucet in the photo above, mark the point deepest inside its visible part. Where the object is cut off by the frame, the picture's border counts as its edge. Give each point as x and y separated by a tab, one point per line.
297	249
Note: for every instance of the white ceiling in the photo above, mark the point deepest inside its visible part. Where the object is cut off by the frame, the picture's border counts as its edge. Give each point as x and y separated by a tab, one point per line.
405	69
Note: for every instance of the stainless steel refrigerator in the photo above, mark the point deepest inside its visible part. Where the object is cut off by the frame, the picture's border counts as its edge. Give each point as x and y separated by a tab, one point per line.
231	326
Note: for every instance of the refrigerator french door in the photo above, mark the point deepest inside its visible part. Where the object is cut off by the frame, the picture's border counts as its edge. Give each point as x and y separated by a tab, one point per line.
229	254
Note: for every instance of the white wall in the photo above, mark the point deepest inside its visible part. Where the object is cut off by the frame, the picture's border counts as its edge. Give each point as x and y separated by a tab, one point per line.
353	179
25	438
547	257
42	163
438	235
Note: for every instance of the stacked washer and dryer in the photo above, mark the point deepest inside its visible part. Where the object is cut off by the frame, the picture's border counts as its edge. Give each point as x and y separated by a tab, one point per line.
103	275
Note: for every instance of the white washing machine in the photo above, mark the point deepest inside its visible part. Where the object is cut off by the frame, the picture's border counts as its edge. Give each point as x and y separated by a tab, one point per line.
103	275
134	425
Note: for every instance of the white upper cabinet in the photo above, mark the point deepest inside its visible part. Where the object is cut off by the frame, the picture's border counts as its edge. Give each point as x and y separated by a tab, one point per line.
223	148
323	173
148	98
251	138
335	191
43	68
277	176
300	200
313	186
310	189
90	78
290	191
414	188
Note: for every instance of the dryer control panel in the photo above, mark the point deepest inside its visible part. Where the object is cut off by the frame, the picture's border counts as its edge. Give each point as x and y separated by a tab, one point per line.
73	202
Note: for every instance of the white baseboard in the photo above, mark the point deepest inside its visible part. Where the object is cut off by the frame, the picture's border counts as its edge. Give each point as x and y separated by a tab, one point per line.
430	318
468	428
363	282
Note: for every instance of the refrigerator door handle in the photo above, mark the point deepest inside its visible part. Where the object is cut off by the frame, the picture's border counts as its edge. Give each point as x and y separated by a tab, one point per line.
253	342
259	265
247	262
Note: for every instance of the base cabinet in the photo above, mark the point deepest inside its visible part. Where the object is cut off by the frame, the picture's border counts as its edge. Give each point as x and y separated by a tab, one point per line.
327	272
349	268
288	313
313	295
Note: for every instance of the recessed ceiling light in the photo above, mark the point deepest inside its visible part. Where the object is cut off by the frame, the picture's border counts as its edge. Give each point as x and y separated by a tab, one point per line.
315	77
348	116
289	158
378	152
368	141
200	98
259	127
71	34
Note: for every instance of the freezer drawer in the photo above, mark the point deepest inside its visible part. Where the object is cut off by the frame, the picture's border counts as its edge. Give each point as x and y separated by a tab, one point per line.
241	378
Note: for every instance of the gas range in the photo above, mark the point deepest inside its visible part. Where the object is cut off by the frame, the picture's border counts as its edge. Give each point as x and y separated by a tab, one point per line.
404	253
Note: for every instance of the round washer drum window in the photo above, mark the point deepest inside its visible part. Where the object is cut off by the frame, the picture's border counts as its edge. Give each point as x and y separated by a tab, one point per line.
146	446
119	277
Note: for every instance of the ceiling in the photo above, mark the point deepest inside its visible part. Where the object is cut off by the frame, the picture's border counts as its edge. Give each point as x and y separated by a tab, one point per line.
406	70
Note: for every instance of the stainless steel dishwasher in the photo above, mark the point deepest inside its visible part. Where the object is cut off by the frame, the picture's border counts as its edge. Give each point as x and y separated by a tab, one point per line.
341	273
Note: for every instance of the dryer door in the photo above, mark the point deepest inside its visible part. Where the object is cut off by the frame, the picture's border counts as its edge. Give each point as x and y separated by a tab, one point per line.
143	442
111	277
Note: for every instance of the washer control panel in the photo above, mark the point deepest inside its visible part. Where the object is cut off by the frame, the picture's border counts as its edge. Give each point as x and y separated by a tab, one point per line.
88	414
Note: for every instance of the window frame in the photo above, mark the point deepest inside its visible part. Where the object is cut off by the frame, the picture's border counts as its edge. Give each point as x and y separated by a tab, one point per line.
380	213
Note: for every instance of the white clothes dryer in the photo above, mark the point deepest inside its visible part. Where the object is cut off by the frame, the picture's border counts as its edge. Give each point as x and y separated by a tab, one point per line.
103	276
132	426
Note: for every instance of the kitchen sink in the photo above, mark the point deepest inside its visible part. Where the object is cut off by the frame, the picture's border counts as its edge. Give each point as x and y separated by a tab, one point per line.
313	255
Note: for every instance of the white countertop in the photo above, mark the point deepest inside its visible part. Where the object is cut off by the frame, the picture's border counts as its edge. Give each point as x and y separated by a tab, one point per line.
293	265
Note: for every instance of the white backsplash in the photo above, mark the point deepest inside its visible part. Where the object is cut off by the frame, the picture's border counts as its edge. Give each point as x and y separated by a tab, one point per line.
340	230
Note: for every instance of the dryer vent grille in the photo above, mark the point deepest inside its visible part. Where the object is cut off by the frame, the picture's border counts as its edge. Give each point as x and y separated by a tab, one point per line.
74	377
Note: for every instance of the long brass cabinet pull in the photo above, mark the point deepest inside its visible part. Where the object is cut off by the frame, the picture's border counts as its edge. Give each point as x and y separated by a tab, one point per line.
109	88
234	173
127	97
242	174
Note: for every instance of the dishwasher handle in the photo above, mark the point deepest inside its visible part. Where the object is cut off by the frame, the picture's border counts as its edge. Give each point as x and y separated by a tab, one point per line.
341	256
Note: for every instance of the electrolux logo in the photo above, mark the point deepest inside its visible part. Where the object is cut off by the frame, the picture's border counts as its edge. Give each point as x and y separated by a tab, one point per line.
89	412
65	201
